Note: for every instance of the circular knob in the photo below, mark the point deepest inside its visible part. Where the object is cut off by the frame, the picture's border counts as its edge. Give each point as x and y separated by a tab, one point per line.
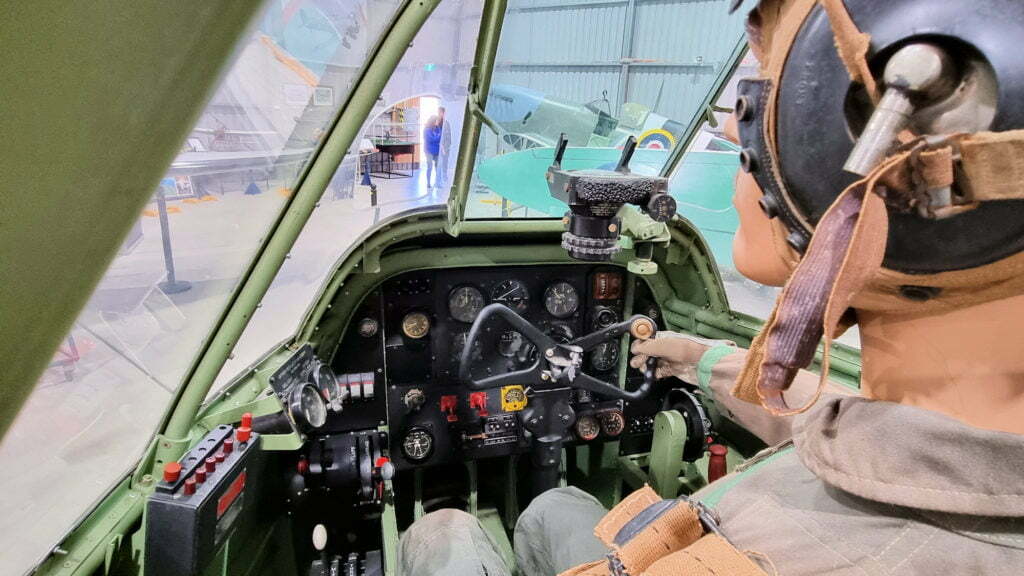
190	486
172	471
642	329
921	68
211	464
387	471
319	537
200	475
661	207
414	399
229	445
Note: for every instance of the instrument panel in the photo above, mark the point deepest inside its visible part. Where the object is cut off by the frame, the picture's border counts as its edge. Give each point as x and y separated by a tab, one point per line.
408	335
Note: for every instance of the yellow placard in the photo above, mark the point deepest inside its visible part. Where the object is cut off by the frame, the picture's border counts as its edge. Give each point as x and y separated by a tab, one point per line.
513	398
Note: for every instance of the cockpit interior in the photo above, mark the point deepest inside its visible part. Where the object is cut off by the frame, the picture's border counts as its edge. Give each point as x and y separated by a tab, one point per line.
298	345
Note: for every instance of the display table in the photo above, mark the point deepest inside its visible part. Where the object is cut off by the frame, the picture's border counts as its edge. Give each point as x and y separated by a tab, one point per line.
392	156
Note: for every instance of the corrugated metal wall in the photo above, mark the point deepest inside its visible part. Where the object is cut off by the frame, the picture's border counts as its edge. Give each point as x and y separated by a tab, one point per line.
664	54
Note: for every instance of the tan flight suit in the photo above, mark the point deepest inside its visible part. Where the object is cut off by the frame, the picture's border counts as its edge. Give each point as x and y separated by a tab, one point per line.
865	488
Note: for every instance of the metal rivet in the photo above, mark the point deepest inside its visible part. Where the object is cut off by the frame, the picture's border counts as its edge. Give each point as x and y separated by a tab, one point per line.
748	160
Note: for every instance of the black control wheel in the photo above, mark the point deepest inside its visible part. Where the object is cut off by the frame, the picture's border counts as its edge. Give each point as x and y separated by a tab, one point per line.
556	370
557	365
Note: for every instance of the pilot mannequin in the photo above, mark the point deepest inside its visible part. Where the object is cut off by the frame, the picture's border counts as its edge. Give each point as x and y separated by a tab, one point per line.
921	471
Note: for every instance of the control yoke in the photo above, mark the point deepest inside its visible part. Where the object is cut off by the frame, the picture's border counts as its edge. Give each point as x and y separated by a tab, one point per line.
557	365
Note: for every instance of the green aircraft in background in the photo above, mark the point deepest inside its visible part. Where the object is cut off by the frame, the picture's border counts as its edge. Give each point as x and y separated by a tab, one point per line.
530	123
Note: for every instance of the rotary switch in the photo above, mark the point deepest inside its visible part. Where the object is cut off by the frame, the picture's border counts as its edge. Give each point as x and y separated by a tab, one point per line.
414	399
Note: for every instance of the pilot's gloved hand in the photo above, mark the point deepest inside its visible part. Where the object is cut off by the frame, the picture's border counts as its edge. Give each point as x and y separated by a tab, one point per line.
678	354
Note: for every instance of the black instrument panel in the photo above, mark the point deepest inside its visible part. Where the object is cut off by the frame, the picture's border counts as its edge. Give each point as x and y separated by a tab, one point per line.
408	336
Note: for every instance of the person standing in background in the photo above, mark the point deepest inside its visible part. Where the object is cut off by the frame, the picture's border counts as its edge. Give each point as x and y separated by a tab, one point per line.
432	143
446	147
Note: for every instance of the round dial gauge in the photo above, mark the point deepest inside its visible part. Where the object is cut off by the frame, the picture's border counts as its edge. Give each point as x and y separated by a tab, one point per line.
605	317
513	345
415	325
560	333
307	407
561	300
513	294
368	327
510	343
464	303
459	344
612	422
587	427
326	382
418	444
605	356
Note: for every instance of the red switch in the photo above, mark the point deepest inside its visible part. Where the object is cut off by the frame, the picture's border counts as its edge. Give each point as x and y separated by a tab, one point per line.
190	486
229	445
478	402
244	431
200	475
219	457
448	405
716	462
211	464
172	471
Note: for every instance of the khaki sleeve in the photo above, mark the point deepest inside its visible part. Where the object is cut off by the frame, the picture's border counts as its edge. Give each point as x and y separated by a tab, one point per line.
717	372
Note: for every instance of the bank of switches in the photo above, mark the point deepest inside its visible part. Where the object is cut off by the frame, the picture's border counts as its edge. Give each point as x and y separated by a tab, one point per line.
201	499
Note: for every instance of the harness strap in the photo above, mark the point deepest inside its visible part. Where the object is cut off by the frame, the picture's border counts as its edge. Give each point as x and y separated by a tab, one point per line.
649	536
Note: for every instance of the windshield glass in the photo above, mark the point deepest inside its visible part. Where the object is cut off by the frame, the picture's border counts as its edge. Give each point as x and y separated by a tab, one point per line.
388	170
94	410
599	72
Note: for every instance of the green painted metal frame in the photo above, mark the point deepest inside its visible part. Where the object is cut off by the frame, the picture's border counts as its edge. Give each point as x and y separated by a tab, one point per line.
479	87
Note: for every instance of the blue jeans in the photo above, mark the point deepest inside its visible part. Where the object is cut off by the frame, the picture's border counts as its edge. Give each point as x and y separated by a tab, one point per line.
432	167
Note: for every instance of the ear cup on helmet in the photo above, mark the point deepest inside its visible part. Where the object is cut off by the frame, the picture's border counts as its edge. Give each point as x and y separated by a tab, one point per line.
815	136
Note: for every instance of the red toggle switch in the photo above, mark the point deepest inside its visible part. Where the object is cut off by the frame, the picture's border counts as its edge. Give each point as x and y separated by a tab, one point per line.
172	471
244	431
448	405
190	486
716	462
478	402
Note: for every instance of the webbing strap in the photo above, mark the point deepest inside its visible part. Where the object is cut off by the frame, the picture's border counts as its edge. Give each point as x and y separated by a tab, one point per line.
845	251
645	531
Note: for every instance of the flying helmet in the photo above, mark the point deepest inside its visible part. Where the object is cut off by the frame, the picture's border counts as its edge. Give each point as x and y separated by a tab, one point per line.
885	137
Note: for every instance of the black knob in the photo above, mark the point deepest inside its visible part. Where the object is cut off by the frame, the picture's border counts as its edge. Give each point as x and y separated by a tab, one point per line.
414	399
661	207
